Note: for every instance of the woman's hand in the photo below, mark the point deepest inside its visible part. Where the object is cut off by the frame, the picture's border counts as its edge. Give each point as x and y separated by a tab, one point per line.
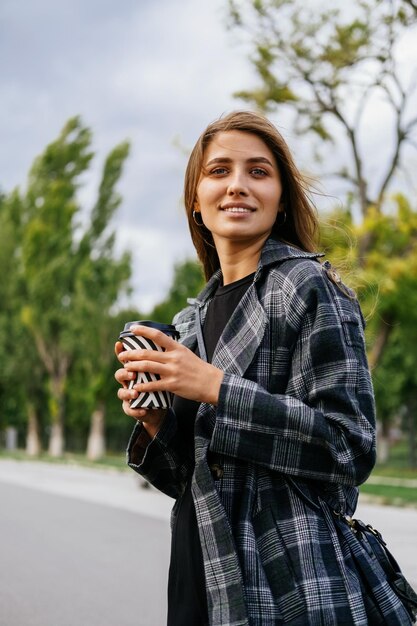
151	418
181	371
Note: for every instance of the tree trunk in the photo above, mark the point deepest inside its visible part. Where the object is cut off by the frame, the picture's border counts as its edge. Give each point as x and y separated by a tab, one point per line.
381	340
383	443
412	419
33	442
96	446
56	440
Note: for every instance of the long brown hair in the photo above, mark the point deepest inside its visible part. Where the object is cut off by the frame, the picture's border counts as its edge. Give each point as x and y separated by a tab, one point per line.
301	224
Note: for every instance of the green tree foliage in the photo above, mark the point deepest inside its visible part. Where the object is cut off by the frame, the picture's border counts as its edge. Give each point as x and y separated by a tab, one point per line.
92	390
386	284
386	280
71	278
99	283
188	280
10	397
332	66
408	10
22	380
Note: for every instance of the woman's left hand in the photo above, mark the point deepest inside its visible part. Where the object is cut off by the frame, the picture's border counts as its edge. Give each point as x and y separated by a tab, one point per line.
181	371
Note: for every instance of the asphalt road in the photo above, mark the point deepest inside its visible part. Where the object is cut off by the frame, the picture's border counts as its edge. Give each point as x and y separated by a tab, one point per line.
82	547
65	562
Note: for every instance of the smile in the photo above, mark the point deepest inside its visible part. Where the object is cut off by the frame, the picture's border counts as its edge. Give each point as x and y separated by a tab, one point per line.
237	209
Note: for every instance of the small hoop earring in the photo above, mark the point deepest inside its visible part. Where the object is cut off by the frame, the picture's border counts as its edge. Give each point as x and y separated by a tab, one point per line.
281	218
195	220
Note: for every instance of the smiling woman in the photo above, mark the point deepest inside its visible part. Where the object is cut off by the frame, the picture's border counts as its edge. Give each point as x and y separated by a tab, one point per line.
297	220
272	423
239	197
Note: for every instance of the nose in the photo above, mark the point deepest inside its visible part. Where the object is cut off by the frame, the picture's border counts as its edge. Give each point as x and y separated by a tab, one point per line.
237	185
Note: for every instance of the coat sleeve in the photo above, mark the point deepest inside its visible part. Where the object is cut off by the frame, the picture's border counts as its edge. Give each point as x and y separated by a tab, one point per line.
323	426
163	460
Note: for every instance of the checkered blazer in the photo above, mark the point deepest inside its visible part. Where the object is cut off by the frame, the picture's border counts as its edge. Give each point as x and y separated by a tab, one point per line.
294	435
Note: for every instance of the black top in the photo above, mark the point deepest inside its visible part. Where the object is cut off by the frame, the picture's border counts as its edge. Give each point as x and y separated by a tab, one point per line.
187	602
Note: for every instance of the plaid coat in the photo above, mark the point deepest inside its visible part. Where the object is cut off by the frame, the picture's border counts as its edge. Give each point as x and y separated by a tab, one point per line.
293	434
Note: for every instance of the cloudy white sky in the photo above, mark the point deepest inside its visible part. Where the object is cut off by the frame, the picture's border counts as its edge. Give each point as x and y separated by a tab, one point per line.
155	72
152	71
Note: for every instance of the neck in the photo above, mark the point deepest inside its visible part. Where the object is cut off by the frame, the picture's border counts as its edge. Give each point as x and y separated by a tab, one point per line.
238	261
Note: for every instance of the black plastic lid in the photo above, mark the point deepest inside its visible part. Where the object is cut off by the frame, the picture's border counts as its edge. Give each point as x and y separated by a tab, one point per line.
168	329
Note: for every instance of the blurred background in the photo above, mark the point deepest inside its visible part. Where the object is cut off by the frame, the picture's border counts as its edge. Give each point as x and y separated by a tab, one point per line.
100	105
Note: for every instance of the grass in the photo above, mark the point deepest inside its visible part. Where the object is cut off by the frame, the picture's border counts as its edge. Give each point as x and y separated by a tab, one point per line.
387	494
397	468
110	461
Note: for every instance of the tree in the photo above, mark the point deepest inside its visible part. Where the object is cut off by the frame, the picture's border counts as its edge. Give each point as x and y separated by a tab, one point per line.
386	284
396	383
67	274
334	68
330	66
410	6
188	280
8	228
21	377
101	280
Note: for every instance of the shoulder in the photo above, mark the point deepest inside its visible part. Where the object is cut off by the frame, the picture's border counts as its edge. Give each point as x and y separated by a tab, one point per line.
289	268
306	285
298	277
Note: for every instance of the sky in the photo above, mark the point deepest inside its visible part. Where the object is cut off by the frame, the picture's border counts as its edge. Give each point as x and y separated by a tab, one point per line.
155	72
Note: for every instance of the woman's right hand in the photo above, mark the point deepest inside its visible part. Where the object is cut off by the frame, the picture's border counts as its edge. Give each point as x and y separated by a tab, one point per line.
151	418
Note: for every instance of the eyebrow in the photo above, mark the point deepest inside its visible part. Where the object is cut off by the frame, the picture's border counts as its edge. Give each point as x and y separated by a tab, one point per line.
259	159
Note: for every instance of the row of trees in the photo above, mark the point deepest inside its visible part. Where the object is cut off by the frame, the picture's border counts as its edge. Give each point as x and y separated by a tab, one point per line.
330	71
60	284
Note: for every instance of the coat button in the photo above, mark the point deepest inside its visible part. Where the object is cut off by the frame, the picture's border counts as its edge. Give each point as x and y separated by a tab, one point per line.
216	471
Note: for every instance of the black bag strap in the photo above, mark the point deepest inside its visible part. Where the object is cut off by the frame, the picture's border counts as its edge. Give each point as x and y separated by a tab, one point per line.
200	339
364	537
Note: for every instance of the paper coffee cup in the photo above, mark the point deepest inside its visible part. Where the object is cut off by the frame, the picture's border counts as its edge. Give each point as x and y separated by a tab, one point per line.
153	399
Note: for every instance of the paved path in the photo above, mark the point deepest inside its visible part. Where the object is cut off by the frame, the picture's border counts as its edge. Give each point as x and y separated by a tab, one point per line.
111	487
81	548
67	562
89	547
398	527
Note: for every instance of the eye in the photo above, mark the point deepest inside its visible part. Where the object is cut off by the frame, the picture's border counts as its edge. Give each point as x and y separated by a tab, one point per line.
219	171
259	172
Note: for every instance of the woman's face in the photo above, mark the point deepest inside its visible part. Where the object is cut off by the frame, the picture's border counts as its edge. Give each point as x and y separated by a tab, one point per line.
239	190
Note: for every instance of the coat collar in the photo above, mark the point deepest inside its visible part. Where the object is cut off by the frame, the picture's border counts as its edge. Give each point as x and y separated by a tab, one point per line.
273	253
246	328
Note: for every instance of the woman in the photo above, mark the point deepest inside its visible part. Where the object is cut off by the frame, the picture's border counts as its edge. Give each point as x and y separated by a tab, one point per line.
272	426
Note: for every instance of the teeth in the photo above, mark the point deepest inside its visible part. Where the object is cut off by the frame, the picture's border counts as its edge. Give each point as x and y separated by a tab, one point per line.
237	209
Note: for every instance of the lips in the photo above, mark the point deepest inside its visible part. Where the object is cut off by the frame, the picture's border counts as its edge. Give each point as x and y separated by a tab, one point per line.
237	208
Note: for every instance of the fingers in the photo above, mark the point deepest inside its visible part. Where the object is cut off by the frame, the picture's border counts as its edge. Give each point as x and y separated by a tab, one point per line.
147	367
155	335
131	356
177	369
155	385
124	376
137	414
126	395
153	417
118	348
